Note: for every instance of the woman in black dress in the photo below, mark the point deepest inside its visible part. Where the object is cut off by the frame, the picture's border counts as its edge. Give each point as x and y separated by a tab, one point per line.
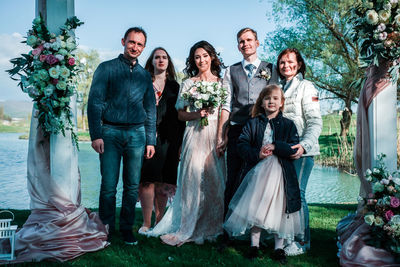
158	181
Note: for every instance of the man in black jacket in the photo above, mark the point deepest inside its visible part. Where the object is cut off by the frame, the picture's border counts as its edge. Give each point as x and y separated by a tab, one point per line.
122	117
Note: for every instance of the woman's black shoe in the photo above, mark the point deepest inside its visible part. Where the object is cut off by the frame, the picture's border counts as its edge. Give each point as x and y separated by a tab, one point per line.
279	255
253	252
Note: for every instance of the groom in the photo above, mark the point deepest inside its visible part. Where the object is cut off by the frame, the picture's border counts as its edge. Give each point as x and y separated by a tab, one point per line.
122	118
244	82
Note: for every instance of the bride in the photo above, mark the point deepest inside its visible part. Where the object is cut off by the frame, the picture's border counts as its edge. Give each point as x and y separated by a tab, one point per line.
196	213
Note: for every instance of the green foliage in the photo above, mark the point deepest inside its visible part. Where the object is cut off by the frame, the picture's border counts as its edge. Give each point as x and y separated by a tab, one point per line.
88	64
320	30
151	252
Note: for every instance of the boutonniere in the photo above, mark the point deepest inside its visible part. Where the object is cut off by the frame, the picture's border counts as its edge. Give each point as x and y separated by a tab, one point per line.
264	74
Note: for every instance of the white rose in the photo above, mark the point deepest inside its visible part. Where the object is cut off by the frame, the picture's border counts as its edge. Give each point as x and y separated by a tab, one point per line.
397	19
198	104
205	97
395	219
387	6
372	17
369	219
384	15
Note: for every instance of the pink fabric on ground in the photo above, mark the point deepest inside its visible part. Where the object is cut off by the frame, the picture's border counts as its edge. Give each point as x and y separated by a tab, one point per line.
59	227
355	252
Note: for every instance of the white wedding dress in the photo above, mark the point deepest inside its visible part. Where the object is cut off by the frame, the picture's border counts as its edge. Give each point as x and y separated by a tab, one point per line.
196	212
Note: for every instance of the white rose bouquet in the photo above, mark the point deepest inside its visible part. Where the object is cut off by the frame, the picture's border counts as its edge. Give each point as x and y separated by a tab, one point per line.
47	74
382	208
205	95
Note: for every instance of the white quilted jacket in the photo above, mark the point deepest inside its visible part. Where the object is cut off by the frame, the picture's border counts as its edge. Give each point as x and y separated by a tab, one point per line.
302	107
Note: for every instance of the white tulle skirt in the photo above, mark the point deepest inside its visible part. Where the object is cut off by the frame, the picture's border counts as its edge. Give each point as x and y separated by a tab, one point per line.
260	201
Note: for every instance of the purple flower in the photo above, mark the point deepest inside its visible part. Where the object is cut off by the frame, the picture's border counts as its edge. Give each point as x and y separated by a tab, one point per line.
388	215
51	59
394	202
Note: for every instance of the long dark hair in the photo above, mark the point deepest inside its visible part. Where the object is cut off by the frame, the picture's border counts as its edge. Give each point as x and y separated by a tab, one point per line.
299	59
170	74
257	108
191	69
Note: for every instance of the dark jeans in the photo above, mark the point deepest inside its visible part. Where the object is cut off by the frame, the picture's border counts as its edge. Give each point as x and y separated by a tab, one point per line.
234	165
128	144
303	168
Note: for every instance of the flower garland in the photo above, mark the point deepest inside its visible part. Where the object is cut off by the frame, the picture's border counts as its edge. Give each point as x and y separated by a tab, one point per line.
382	210
377	30
47	74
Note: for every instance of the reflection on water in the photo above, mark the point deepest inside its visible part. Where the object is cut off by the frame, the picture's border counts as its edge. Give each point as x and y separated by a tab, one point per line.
326	185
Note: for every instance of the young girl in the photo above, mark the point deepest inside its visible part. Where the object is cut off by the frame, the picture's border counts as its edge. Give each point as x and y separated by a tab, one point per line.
269	196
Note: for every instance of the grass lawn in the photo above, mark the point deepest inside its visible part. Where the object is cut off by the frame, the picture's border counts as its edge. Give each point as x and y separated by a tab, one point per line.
151	252
14	128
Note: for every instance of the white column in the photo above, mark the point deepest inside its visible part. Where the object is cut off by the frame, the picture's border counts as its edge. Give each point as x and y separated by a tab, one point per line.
65	178
55	12
382	117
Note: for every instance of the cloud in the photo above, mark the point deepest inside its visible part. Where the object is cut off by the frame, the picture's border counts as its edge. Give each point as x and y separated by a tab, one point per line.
11	47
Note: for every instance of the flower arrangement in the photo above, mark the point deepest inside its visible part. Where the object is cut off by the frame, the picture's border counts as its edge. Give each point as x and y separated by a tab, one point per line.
264	74
377	29
205	95
382	209
47	74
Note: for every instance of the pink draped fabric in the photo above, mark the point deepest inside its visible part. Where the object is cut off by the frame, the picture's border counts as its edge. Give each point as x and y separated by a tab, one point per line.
59	227
377	80
353	231
354	251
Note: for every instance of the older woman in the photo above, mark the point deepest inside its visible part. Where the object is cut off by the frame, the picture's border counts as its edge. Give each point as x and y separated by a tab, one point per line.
301	106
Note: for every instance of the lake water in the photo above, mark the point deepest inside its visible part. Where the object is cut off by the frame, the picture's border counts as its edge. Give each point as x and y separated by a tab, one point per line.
326	185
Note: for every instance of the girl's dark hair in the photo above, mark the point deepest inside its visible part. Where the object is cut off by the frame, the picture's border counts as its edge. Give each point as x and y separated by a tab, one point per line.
191	69
171	75
257	108
299	59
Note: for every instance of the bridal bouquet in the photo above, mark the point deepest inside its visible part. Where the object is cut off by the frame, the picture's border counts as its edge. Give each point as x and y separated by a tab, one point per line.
205	95
47	74
377	29
382	210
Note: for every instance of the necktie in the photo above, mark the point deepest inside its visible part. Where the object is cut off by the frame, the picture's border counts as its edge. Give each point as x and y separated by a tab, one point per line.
250	68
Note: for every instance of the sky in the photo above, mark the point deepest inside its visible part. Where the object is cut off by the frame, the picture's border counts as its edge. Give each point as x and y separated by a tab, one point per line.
173	24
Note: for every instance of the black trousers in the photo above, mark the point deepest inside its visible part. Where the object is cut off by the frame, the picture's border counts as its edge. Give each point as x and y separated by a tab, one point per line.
234	165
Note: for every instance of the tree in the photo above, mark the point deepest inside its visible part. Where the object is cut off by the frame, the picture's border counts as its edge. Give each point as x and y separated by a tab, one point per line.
89	62
321	31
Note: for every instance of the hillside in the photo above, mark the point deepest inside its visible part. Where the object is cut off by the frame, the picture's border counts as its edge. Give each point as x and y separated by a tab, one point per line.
17	109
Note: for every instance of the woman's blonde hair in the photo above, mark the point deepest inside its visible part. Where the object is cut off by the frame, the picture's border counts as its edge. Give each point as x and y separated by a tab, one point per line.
257	108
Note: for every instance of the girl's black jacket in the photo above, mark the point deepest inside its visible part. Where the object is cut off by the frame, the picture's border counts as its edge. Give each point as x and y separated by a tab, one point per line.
284	136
